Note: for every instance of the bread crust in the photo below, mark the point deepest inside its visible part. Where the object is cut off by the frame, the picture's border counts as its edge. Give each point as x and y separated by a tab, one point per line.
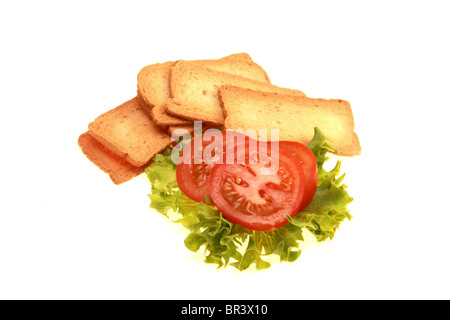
189	128
163	119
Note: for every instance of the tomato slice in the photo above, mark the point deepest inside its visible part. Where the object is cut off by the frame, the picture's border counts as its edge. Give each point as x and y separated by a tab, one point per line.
256	201
309	164
194	168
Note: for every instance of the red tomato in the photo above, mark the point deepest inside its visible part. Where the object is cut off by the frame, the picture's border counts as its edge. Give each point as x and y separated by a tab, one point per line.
194	168
309	164
255	201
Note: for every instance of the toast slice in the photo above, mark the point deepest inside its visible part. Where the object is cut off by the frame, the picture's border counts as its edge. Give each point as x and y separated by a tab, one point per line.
163	119
195	91
117	167
240	64
153	83
158	112
189	128
295	117
129	131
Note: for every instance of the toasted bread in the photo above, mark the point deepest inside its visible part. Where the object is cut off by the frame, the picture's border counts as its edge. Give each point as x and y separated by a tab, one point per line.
129	131
195	91
238	56
153	83
117	167
189	128
159	115
240	64
295	117
163	119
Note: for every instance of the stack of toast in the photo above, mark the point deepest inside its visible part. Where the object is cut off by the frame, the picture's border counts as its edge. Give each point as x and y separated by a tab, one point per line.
233	92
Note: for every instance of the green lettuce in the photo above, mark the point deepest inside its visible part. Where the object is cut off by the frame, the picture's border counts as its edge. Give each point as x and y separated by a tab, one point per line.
226	243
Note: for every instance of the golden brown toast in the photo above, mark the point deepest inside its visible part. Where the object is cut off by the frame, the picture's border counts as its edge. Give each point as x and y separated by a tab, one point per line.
117	167
195	91
129	131
153	83
189	128
295	117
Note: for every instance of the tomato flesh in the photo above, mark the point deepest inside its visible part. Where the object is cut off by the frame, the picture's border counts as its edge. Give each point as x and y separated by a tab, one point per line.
307	160
247	197
309	165
194	169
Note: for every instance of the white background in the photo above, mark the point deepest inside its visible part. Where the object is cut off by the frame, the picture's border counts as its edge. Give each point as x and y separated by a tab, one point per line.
66	232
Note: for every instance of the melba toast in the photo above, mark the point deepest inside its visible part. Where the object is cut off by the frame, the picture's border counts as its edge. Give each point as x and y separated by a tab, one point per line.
153	93
295	117
130	132
117	167
194	91
153	83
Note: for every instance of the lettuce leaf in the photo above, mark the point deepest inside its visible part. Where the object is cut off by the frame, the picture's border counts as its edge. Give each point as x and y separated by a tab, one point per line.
226	243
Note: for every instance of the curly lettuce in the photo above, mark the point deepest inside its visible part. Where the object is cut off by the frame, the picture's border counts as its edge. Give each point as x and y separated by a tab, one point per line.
226	243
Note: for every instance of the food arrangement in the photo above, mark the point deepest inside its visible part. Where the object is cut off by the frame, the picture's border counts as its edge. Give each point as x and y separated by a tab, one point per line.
198	129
